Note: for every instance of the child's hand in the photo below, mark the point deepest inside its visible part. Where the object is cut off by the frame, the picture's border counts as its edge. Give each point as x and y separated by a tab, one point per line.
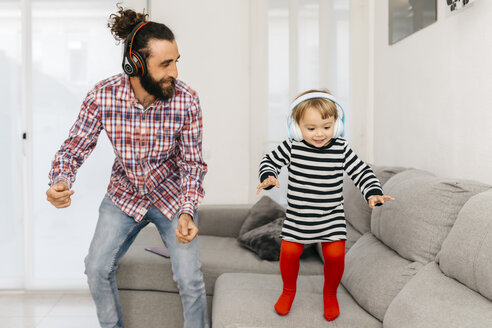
378	200
270	181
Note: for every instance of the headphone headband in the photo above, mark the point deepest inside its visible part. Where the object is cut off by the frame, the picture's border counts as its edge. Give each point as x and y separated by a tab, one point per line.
313	95
134	32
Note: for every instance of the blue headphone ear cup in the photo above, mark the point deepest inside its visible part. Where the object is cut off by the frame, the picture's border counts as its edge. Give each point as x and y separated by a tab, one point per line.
338	128
296	131
340	123
293	129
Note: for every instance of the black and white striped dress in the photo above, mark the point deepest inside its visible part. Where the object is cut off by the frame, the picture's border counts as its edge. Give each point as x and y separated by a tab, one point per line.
315	191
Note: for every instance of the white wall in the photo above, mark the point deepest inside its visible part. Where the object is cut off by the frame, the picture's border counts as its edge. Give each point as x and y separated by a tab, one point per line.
432	103
361	129
213	40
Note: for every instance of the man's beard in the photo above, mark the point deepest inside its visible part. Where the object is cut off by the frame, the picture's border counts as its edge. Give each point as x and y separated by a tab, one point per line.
154	88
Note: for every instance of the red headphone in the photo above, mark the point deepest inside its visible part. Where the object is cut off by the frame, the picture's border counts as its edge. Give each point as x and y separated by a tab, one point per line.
133	62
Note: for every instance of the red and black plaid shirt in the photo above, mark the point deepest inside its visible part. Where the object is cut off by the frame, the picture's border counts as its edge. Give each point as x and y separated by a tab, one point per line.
158	149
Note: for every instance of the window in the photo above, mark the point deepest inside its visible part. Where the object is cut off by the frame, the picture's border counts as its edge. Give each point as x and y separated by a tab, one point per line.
308	48
11	225
54	51
72	49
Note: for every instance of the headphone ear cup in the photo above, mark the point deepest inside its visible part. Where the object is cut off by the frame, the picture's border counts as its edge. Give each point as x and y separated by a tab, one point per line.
294	131
133	62
340	123
128	66
338	128
139	63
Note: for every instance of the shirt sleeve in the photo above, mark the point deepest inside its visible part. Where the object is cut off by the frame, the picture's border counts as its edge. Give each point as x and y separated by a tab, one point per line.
362	174
272	163
77	147
191	165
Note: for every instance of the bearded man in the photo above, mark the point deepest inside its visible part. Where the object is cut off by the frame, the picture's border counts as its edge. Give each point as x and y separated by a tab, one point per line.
154	123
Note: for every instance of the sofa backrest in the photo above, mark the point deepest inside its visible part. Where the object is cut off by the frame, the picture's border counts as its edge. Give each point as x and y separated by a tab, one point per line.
222	220
466	254
357	212
426	207
405	235
454	291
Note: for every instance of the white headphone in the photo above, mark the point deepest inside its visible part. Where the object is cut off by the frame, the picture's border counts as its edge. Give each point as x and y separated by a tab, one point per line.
292	126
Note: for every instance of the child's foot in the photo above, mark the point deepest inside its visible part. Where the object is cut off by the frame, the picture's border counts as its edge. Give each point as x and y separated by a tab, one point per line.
285	301
331	308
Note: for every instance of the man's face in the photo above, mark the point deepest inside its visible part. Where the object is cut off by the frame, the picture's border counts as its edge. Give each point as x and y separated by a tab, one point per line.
162	70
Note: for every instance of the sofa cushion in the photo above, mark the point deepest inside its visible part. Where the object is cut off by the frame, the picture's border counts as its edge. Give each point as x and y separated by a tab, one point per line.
264	211
265	240
247	300
466	253
142	270
425	209
357	212
432	300
375	274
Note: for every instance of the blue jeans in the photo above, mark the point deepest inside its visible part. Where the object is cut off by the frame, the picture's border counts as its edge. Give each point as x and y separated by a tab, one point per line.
115	232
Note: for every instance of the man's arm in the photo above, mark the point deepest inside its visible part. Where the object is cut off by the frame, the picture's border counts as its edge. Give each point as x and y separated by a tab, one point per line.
77	147
192	170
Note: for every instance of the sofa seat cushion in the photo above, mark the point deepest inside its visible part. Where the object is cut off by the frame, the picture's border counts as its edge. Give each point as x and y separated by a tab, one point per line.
426	207
247	300
432	300
466	254
142	270
375	274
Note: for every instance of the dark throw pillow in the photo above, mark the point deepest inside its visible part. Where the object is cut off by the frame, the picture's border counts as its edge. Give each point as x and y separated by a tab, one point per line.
264	211
264	240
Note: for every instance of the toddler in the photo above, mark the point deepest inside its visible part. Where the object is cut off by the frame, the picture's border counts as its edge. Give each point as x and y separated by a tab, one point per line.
316	158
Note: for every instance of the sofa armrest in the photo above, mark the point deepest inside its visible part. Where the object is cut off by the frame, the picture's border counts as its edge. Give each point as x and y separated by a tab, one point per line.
222	220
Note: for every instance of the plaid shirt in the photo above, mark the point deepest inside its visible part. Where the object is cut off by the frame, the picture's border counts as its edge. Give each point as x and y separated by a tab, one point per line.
158	149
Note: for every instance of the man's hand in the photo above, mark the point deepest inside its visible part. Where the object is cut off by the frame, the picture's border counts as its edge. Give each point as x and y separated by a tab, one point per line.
378	200
187	229
270	181
59	195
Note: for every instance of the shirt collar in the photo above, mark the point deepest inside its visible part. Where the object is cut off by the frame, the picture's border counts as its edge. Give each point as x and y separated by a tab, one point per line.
125	91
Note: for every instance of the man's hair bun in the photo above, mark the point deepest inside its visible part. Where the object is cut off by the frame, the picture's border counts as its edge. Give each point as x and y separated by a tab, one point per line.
123	22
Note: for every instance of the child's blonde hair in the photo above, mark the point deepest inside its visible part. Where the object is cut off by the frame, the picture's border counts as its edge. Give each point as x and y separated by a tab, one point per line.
326	107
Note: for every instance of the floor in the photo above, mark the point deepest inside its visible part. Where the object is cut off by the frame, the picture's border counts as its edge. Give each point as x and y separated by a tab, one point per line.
47	310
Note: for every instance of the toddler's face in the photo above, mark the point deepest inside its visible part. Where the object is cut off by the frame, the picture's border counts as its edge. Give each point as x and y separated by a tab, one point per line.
315	130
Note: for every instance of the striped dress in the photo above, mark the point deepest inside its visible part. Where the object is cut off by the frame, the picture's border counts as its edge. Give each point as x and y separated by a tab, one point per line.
315	189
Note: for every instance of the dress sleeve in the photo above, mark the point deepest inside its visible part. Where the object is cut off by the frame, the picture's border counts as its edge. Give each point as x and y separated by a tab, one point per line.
362	174
272	163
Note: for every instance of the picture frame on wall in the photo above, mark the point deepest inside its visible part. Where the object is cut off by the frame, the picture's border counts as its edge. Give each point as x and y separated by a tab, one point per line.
406	17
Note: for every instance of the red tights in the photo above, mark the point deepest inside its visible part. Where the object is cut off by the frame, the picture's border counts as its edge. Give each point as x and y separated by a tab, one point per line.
333	254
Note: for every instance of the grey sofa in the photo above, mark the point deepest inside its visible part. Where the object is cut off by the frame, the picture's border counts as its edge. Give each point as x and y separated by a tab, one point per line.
148	294
424	260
